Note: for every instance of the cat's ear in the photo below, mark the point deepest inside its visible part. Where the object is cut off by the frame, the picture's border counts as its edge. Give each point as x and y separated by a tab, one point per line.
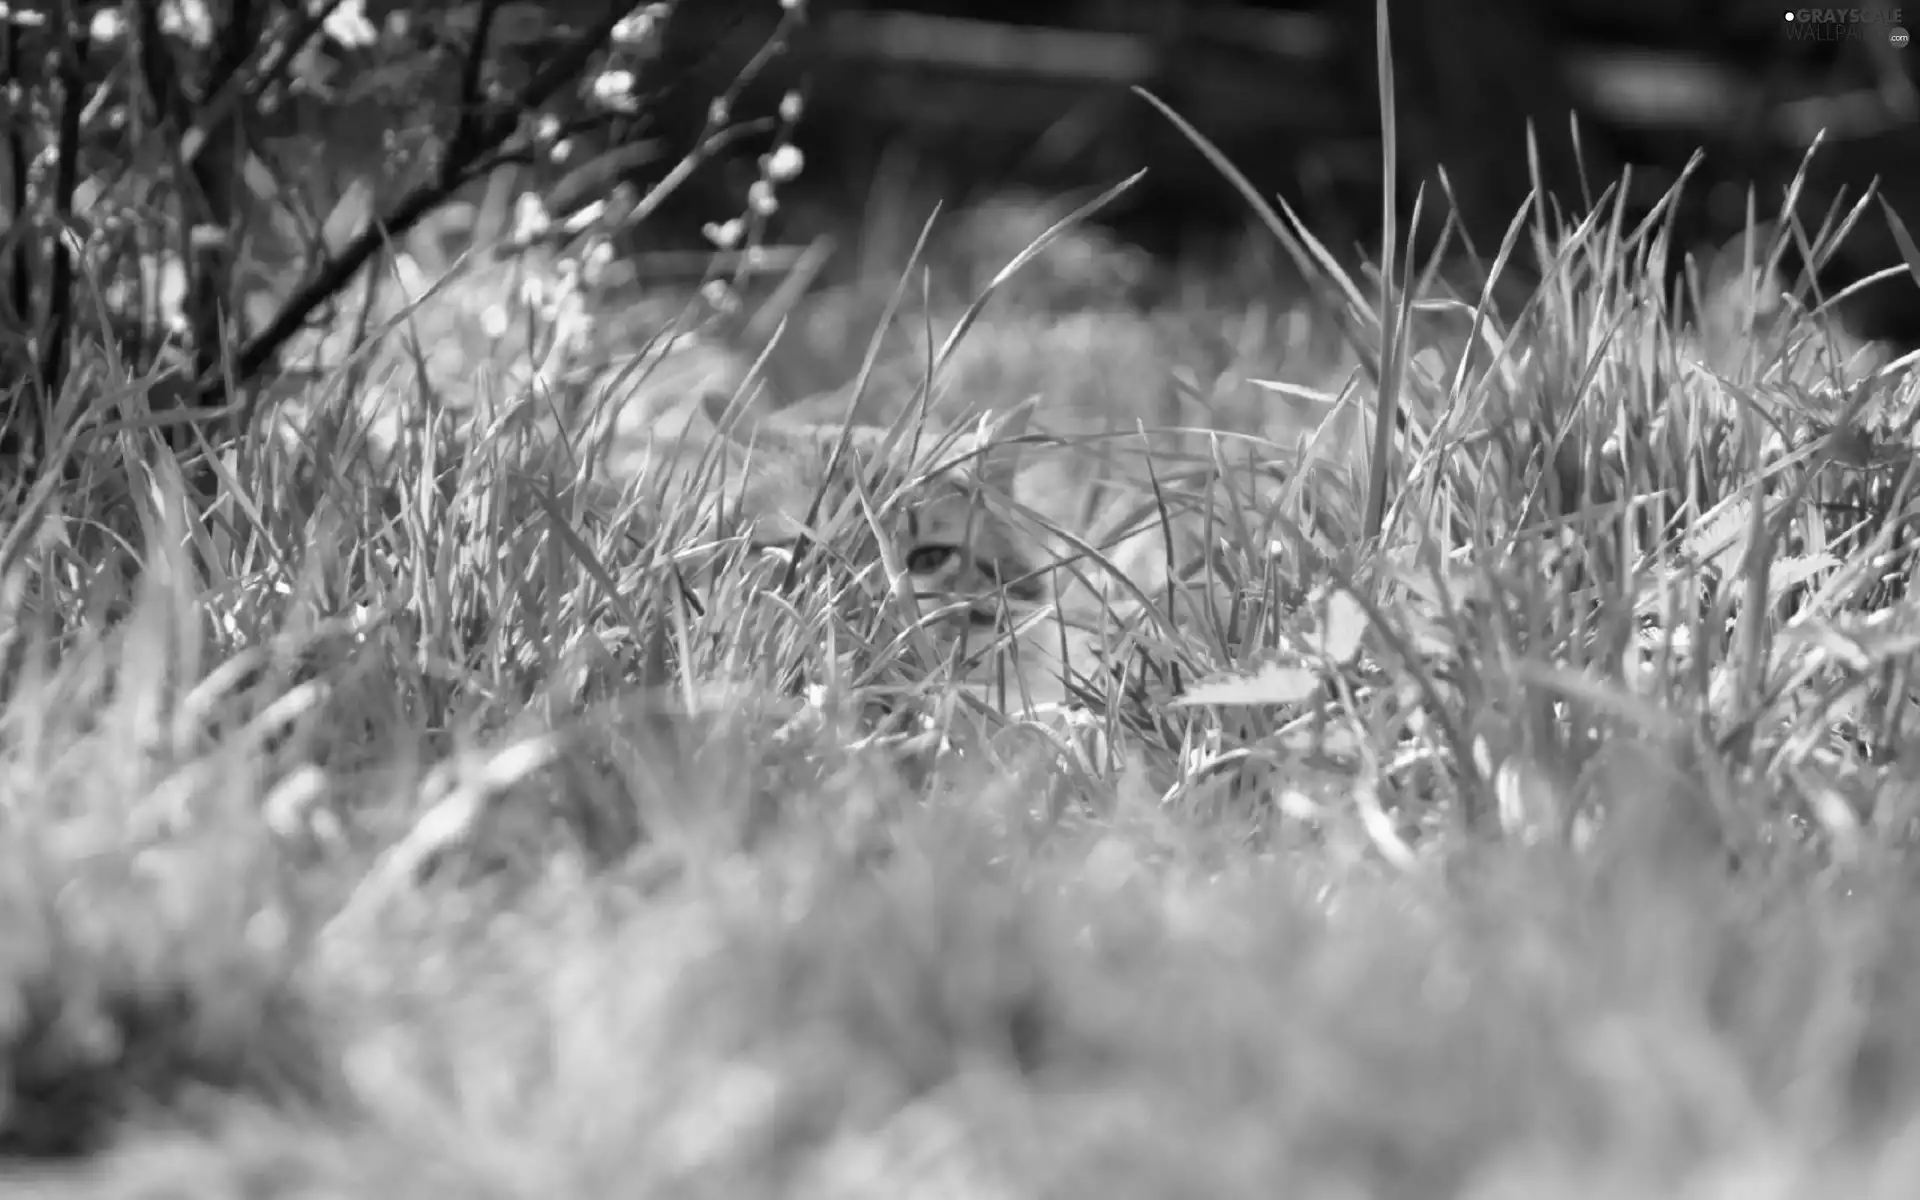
996	447
1014	422
1743	298
733	414
1740	284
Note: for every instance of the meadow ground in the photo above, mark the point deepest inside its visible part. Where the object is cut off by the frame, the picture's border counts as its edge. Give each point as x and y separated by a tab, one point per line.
428	816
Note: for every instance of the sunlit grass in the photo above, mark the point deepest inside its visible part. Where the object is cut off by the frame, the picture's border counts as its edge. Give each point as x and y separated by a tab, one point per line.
1513	805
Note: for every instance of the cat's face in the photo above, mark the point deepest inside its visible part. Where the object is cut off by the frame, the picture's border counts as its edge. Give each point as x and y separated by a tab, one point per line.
943	507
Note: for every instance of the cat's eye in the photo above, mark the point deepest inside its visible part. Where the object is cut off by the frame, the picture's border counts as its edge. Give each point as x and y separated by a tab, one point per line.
925	560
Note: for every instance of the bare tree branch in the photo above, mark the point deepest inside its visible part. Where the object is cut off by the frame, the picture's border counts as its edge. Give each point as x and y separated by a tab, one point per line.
460	147
487	137
74	43
19	284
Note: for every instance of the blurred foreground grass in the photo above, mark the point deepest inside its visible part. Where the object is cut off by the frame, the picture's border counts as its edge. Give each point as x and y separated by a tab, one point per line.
424	818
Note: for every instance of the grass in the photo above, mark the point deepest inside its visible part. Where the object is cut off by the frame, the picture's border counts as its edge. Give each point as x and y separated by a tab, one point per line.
1515	805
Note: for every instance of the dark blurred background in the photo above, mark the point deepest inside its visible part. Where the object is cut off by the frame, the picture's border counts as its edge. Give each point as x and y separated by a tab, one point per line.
1037	93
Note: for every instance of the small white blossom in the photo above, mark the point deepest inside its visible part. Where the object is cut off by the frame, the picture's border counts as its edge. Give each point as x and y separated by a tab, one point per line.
761	199
599	258
530	218
725	235
107	26
348	24
634	29
718	111
187	20
785	163
614	88
791	106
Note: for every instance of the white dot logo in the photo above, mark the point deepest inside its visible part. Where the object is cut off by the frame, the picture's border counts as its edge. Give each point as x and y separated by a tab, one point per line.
1897	36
